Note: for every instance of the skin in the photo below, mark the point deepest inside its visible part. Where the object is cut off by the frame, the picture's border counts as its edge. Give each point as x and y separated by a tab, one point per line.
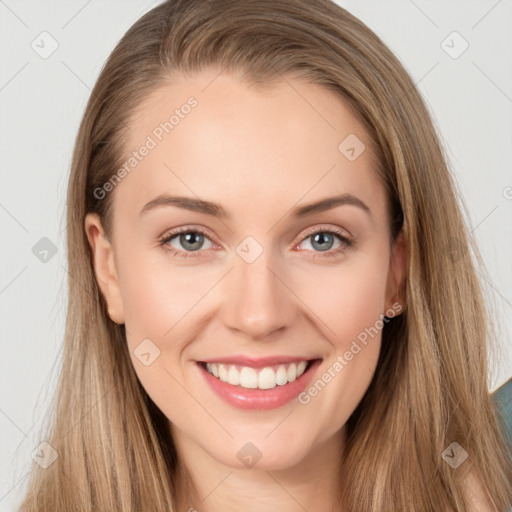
259	154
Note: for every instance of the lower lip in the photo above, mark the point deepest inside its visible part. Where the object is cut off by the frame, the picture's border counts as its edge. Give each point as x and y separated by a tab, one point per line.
260	399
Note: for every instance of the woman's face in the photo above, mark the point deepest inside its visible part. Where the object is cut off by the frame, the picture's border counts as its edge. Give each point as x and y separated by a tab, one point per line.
263	274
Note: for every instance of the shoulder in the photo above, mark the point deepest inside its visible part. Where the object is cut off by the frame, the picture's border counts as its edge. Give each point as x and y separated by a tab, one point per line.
477	495
503	399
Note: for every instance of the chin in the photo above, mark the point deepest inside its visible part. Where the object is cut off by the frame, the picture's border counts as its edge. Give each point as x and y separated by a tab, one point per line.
261	456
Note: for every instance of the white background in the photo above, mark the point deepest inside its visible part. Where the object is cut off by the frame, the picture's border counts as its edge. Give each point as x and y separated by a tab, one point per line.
42	101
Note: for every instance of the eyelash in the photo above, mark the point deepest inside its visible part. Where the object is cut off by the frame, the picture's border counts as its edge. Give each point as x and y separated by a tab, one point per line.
162	241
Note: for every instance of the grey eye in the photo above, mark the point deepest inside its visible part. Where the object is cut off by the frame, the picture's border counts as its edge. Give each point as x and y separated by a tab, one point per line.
322	241
189	241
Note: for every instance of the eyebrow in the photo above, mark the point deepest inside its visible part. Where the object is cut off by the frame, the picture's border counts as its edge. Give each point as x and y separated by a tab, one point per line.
216	210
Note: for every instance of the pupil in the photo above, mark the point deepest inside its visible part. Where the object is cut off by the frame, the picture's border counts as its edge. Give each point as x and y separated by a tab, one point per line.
192	241
324	239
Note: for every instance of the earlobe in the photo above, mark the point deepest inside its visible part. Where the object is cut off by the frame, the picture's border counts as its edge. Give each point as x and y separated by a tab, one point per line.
102	255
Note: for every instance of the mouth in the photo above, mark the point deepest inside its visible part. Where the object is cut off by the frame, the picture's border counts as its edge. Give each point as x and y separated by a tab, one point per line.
258	387
263	378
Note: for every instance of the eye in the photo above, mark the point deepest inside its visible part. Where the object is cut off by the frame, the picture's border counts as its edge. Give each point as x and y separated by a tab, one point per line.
186	242
322	240
183	242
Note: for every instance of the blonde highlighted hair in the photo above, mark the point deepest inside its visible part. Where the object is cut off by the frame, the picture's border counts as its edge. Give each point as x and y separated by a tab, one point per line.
430	387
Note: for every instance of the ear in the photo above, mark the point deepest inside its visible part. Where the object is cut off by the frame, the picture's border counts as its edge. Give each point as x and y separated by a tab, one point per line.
102	255
395	290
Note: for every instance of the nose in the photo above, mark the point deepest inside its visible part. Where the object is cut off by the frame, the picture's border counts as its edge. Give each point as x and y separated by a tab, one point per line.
257	300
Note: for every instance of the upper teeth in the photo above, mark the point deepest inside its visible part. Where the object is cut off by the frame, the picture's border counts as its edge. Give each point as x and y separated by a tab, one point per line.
248	377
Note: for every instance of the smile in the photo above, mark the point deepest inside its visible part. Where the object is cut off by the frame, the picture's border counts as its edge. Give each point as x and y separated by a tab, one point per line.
249	378
266	387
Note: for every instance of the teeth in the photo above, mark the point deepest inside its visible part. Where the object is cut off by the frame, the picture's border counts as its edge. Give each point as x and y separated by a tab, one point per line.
233	376
267	379
247	377
281	376
214	371
292	373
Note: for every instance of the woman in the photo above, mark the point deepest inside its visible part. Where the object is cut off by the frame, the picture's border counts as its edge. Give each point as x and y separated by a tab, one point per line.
273	300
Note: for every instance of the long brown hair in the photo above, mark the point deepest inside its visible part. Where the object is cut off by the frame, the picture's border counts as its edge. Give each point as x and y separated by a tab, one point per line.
430	387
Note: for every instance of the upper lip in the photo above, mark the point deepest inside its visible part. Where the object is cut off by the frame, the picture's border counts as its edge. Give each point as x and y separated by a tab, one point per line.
258	362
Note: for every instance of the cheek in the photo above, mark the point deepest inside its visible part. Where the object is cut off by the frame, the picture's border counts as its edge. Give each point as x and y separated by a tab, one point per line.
351	303
160	304
346	300
157	295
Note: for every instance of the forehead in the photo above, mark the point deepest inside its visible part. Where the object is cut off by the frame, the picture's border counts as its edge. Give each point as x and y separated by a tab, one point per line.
215	136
